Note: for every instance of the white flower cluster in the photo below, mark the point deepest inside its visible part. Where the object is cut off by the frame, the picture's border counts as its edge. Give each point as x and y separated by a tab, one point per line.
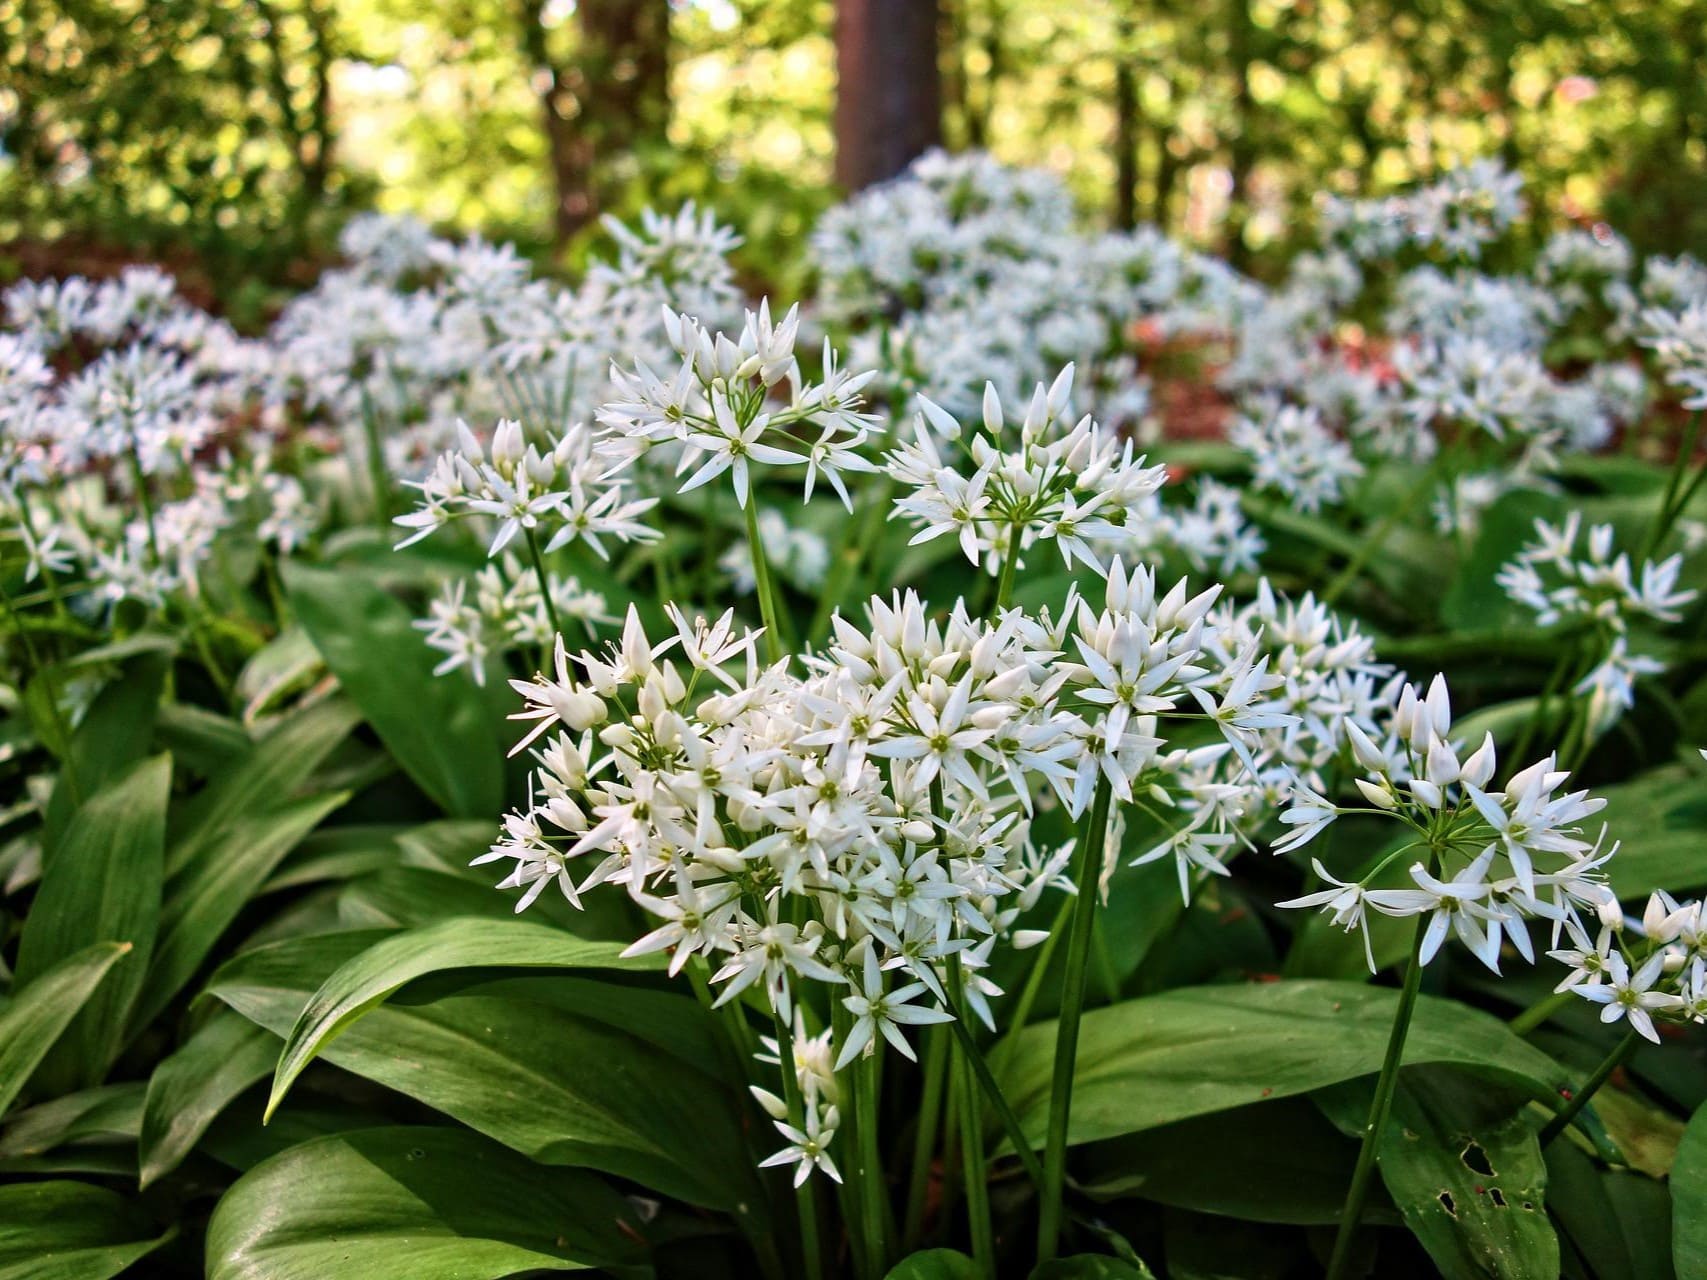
1459	215
1002	487
867	824
1293	452
713	413
1600	591
1639	971
508	613
1485	860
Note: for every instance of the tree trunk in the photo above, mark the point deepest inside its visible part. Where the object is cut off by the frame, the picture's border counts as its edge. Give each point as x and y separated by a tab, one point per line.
601	107
888	88
1126	125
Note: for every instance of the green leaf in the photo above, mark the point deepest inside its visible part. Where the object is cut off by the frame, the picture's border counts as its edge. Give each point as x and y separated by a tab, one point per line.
934	1264
1463	1165
103	886
550	1082
364	982
1273	1162
112	736
443	732
1196	1050
414	1203
262	779
69	1231
209	892
1689	1199
36	1015
189	1089
1618	1223
1661	825
110	1113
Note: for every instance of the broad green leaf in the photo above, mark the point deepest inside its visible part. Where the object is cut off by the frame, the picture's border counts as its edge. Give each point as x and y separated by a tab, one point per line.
210	890
1475	599
1689	1199
548	1082
70	1231
112	736
415	1203
1276	1161
1618	1223
111	1113
443	732
189	1089
1196	1050
200	741
934	1264
467	943
102	886
1463	1165
33	1019
263	778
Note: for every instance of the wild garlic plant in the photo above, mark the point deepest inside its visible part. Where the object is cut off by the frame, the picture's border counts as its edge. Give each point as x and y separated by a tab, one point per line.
1594	596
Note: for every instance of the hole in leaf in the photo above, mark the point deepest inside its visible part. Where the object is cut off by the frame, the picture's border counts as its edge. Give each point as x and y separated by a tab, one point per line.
1447	1203
1529	1206
1476	1160
1497	1197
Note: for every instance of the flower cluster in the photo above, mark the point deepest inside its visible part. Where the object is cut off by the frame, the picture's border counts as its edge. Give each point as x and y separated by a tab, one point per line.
1485	859
1640	971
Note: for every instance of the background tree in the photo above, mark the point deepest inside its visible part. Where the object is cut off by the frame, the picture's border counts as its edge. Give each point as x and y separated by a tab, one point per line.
888	88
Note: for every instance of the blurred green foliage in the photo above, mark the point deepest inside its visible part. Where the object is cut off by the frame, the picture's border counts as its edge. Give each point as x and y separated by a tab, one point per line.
238	132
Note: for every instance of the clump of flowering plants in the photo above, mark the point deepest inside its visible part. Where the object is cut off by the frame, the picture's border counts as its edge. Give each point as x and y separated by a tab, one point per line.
669	783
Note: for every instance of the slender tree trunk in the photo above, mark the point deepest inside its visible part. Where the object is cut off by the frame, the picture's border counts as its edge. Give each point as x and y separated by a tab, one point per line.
888	88
1242	153
1126	127
601	107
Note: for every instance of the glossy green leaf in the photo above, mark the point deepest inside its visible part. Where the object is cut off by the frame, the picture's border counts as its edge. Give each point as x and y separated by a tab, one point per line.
110	1113
1618	1223
263	778
209	891
1689	1199
189	1089
70	1231
33	1019
1277	1161
103	885
1463	1165
444	733
934	1264
549	1082
1090	1266
364	982
415	1203
111	737
1196	1050
1661	824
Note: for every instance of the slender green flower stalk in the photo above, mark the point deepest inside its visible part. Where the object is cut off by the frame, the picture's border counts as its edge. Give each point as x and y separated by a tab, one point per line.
544	584
926	1134
774	645
1087	868
1618	1057
873	1185
1352	1213
971	1140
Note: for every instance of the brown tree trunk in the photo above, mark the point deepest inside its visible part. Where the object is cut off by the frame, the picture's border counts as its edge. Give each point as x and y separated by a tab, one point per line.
888	88
1126	124
600	107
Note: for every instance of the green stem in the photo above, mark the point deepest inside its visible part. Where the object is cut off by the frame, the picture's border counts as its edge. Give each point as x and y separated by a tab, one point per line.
49	579
765	584
1352	1214
1670	506
1010	564
1087	869
1034	982
544	590
1620	1053
1373	540
972	1143
140	481
996	1098
805	1195
845	569
1540	1012
873	1209
377	475
924	1137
